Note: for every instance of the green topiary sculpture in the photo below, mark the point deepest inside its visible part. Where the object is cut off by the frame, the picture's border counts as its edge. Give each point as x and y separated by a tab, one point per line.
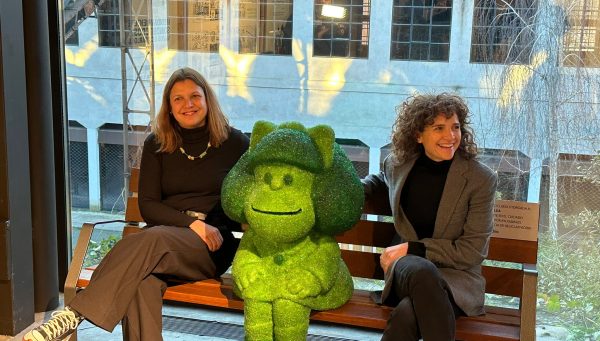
296	189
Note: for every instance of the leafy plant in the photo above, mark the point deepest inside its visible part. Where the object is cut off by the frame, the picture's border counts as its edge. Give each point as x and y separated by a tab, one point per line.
569	282
97	250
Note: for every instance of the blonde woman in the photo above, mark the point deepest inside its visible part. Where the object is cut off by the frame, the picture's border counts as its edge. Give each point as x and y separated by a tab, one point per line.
184	161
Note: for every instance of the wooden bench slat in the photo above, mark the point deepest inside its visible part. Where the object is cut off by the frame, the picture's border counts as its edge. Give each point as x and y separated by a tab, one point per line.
511	250
134	180
468	329
503	281
133	210
359	311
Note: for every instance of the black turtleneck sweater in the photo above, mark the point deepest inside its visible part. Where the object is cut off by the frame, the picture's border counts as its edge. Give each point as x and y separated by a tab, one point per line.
420	197
170	183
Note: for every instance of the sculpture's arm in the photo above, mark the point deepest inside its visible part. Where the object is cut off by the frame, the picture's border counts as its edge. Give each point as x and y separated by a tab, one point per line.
251	273
315	269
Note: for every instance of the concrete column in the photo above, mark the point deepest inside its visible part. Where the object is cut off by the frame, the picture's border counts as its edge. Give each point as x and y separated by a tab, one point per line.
535	180
16	249
94	169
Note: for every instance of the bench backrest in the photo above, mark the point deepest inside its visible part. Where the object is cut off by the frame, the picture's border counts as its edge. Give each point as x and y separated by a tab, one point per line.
373	232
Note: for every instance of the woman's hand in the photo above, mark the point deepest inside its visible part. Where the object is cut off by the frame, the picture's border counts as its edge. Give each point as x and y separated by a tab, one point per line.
209	234
390	254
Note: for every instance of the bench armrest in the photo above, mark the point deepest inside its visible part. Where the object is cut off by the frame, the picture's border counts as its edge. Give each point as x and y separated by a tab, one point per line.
528	302
78	257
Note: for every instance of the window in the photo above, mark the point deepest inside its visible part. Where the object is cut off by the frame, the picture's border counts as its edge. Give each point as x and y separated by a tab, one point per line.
421	30
582	37
341	28
193	25
266	26
502	31
135	19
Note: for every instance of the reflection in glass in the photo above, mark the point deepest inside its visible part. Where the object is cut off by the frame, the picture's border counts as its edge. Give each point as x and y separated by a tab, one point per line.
266	26
341	28
502	31
193	25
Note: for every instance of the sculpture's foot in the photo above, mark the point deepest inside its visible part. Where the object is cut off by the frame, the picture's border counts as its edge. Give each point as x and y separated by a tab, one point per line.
297	333
258	321
259	332
290	321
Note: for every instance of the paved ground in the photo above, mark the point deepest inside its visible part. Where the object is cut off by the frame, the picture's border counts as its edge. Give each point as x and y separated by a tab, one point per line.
184	323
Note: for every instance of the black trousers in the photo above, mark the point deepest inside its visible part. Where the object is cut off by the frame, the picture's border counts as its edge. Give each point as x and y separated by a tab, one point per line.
424	307
129	282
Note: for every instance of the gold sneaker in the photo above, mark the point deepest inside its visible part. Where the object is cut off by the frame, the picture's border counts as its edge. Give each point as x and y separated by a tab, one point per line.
61	324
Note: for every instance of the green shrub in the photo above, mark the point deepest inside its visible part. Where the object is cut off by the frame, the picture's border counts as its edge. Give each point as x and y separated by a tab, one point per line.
97	250
569	281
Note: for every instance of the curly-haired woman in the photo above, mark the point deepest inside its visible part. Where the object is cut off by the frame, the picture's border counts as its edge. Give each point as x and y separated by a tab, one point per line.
442	202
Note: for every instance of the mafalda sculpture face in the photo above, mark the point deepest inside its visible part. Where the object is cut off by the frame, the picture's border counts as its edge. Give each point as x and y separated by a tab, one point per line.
296	189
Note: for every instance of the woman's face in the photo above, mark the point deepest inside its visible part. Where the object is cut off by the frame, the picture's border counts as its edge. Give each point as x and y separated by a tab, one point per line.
188	104
442	138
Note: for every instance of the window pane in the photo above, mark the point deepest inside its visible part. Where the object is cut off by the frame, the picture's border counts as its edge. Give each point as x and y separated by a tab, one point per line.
419	51
196	24
420	33
271	22
440	34
439	52
420	24
581	42
341	28
499	24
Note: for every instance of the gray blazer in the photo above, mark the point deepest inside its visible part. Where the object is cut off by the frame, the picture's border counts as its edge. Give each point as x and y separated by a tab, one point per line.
462	228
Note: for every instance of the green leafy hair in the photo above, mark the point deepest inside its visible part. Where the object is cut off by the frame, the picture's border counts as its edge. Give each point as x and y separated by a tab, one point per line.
337	192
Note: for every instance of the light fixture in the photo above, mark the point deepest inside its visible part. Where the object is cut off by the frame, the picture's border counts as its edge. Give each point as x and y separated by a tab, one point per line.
332	11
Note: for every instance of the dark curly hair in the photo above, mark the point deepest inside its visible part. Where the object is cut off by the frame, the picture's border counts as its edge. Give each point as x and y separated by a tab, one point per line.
419	111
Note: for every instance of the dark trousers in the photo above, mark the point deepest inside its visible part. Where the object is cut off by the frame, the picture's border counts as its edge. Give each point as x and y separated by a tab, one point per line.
424	307
129	282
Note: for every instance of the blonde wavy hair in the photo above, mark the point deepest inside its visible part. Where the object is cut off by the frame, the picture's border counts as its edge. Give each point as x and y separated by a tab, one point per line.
419	111
166	129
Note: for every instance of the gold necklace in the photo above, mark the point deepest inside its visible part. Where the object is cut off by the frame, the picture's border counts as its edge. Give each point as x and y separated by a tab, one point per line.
191	157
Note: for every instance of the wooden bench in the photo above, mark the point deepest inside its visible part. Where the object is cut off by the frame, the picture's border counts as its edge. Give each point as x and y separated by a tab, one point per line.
499	323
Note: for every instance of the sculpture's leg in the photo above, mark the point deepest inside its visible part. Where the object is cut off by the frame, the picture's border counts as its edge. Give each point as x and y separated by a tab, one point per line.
258	320
290	320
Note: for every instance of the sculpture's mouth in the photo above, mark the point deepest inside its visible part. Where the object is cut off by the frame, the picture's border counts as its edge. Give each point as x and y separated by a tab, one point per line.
277	213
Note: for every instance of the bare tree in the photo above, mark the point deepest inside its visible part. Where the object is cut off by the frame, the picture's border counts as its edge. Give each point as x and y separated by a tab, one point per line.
543	65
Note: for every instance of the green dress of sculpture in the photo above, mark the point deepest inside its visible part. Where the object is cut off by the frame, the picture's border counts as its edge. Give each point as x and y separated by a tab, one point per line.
296	189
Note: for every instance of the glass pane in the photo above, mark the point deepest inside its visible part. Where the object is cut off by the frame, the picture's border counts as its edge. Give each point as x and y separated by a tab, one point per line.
400	51
419	51
439	52
339	22
440	34
263	68
420	33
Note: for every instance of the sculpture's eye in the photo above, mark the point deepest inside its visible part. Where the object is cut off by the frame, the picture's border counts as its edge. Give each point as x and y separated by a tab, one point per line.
268	178
288	179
